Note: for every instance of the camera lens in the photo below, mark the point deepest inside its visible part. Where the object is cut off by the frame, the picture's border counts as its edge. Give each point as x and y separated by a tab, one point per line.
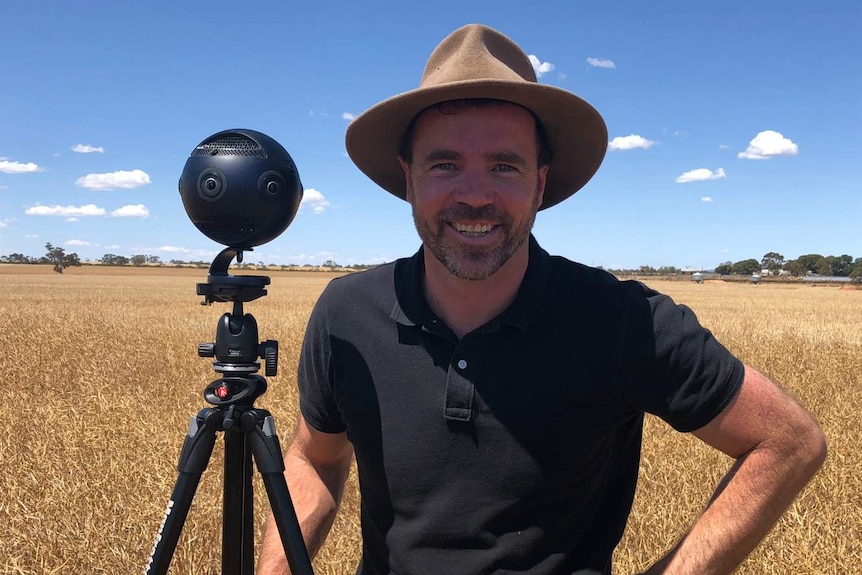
271	185
211	184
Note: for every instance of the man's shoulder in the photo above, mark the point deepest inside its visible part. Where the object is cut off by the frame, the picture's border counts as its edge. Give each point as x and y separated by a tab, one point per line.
575	275
369	280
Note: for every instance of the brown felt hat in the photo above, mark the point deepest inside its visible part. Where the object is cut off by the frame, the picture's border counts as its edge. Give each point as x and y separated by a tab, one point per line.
479	62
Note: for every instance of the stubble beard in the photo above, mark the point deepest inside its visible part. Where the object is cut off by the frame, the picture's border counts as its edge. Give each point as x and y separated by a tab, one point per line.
470	262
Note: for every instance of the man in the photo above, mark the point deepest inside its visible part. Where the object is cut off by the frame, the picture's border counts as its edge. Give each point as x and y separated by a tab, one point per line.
494	395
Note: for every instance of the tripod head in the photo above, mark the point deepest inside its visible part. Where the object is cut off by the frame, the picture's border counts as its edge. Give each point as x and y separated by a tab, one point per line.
236	347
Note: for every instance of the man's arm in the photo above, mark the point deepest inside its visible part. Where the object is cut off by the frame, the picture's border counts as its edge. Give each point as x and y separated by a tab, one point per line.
316	468
778	447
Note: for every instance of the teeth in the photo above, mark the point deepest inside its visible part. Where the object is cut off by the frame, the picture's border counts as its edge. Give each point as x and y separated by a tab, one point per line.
473	229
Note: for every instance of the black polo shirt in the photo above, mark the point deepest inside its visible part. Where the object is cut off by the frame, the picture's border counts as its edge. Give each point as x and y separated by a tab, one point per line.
516	448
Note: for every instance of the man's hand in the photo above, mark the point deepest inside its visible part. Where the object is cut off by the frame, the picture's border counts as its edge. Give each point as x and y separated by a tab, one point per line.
316	468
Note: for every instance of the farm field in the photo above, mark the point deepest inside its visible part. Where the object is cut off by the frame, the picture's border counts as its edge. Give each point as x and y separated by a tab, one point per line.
101	376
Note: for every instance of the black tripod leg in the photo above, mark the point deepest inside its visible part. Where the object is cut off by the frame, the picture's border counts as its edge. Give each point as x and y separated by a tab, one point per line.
260	427
238	516
194	457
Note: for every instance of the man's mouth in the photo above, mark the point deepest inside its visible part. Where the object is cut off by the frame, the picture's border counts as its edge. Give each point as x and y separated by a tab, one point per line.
473	230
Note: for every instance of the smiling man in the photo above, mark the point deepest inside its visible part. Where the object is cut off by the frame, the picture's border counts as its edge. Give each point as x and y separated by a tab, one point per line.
493	395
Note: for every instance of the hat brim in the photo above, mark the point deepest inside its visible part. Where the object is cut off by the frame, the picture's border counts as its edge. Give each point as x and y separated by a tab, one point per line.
576	132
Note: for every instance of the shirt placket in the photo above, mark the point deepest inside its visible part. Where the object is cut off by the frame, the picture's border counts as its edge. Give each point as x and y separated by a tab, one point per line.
460	389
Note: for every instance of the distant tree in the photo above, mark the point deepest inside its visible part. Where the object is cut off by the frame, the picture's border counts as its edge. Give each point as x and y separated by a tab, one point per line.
795	267
18	259
330	264
60	259
724	269
813	263
856	274
746	267
646	271
772	261
138	260
840	265
154	260
667	271
114	260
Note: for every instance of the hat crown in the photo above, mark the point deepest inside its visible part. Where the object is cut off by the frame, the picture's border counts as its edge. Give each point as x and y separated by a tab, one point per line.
475	52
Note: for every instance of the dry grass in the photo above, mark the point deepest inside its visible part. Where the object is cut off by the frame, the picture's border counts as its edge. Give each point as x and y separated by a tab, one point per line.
101	376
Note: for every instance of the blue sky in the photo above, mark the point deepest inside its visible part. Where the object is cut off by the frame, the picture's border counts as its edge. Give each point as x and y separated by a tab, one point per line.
734	126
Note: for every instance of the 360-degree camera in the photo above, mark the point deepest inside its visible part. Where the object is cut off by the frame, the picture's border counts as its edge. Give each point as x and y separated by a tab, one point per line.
240	188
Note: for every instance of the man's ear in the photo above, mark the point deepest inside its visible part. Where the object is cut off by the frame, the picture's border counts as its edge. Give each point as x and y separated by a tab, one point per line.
409	189
540	185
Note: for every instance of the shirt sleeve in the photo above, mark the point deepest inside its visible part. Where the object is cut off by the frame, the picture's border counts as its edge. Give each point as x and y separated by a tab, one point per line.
674	367
314	378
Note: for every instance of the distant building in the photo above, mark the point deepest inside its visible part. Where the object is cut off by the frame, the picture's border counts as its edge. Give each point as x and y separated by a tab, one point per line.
826	279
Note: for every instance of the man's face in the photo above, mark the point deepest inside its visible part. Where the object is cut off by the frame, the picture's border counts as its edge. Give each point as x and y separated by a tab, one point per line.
474	185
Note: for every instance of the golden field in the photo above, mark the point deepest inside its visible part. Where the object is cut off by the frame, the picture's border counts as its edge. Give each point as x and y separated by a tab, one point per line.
101	375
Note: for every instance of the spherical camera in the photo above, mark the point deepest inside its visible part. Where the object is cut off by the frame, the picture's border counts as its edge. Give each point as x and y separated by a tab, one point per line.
240	188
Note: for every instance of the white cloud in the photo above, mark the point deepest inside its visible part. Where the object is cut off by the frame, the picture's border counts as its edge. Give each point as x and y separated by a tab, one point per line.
81	243
9	167
768	144
66	211
87	149
5	222
174	249
700	175
706	200
601	63
540	67
724	147
347	116
121	179
313	198
630	143
131	211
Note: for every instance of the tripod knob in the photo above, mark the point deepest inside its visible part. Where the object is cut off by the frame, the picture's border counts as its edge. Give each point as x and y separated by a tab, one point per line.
270	357
206	350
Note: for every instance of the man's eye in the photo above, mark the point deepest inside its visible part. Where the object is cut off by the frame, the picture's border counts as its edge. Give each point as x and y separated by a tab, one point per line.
444	166
506	168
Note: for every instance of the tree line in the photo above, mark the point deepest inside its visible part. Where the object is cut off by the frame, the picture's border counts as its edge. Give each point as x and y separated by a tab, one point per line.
58	257
772	263
54	256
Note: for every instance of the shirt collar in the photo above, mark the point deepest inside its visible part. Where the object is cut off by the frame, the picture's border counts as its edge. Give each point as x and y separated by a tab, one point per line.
411	308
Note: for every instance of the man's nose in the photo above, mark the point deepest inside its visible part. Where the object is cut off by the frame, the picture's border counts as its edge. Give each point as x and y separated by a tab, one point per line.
475	188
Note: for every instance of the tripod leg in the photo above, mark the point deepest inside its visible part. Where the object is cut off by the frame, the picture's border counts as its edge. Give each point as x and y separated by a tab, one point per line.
260	427
238	502
194	457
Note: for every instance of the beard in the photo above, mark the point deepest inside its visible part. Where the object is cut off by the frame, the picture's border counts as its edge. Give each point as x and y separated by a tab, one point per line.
467	262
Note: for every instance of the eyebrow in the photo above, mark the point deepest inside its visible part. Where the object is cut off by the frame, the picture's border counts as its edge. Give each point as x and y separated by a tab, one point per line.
504	156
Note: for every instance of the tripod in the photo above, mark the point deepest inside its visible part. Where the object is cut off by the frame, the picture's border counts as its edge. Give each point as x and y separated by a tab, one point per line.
247	431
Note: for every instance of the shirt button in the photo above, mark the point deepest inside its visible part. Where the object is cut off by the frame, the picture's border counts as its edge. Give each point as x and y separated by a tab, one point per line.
462	364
